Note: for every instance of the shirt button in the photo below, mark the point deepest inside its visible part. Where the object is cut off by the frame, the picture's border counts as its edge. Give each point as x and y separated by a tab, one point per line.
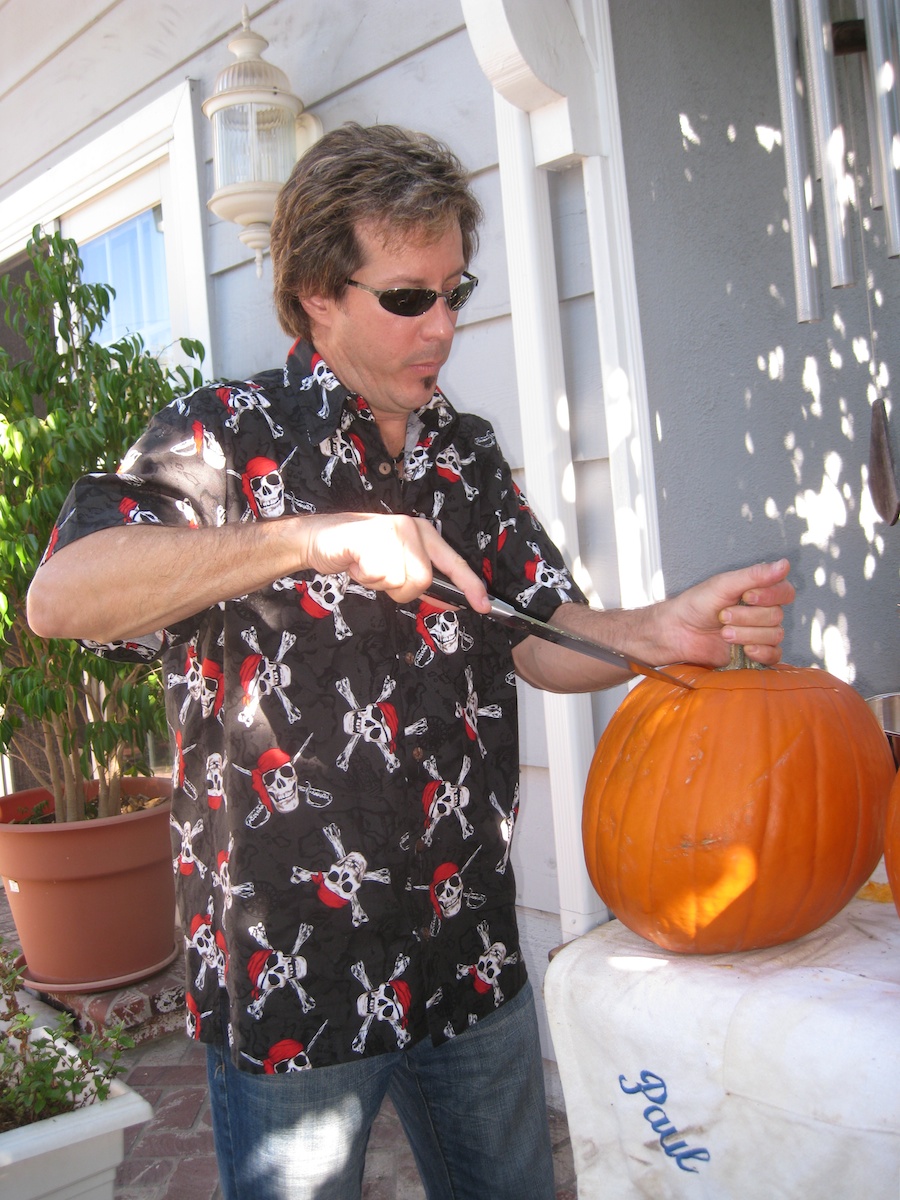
384	469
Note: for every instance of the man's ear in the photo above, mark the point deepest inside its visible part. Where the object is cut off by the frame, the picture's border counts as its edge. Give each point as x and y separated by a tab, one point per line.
317	308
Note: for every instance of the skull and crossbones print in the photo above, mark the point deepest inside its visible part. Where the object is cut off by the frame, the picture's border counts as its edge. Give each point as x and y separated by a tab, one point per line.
212	689
344	448
472	711
267	497
507	827
338	885
277	785
442	799
375	724
387	1002
448	893
180	779
440	632
485	971
210	945
215	781
418	459
186	860
239	401
449	466
194	1018
133	514
271	970
191	679
543	575
262	677
322	595
202	444
321	377
222	879
287	1055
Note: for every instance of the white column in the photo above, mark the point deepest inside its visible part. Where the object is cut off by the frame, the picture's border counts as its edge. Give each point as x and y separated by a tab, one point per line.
625	401
550	479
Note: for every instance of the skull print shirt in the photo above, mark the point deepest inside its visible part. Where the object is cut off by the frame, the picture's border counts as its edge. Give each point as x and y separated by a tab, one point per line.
345	767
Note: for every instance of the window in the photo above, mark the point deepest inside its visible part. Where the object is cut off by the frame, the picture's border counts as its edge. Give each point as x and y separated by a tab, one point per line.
121	237
131	258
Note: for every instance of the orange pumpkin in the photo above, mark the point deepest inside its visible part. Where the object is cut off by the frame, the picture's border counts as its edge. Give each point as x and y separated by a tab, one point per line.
742	814
892	842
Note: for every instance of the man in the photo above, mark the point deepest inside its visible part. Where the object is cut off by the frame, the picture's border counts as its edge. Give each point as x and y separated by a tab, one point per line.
346	748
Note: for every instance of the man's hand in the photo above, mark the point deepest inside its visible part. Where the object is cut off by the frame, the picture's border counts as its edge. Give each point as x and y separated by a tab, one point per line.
392	554
698	626
744	606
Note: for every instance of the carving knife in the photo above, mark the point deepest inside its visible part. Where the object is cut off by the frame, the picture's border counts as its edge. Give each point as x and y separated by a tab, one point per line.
503	613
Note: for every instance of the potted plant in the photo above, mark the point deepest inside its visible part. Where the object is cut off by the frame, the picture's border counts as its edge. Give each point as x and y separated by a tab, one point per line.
62	1108
80	724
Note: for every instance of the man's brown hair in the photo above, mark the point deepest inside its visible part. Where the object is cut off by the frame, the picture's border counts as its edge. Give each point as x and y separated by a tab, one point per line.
407	183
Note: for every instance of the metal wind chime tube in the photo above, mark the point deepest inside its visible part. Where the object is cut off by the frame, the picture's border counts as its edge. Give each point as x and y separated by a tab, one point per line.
875	185
799	183
829	135
883	82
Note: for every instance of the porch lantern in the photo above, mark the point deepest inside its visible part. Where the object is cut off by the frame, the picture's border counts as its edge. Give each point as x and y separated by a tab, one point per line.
259	132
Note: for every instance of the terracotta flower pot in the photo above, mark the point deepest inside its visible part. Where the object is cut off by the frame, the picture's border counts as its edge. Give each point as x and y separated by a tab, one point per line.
93	901
21	806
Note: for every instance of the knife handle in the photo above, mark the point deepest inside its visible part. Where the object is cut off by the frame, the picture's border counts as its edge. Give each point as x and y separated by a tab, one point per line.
445	591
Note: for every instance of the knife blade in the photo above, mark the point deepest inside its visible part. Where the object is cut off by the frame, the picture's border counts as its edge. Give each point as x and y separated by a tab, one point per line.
504	614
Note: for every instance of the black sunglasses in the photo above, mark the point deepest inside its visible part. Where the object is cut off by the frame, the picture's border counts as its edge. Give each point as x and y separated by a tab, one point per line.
412	302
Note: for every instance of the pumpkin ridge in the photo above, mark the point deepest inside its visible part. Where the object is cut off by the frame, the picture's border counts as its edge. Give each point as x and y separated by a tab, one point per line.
838	707
652	883
748	932
635	770
786	818
595	820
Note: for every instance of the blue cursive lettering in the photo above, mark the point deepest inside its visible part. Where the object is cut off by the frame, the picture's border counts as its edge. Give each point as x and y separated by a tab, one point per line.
653	1087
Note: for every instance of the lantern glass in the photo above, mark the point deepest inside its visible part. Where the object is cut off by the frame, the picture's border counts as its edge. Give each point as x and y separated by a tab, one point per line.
254	143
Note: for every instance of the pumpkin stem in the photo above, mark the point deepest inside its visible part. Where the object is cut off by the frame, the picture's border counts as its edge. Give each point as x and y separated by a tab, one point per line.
739	660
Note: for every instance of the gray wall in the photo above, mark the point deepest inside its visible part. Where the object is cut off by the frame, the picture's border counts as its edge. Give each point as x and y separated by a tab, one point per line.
750	463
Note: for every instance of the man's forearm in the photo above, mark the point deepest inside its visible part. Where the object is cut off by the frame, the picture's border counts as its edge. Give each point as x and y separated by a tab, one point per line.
121	583
556	669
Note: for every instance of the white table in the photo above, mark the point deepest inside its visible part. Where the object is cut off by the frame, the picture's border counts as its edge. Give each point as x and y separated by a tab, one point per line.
766	1075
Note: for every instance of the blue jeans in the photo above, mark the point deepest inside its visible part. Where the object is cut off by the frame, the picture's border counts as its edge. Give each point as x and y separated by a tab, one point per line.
473	1109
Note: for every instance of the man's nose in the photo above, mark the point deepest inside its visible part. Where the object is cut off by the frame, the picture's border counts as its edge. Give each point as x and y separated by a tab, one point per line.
439	321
